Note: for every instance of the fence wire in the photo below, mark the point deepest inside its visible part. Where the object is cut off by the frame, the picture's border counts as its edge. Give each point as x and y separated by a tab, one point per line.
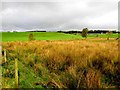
30	72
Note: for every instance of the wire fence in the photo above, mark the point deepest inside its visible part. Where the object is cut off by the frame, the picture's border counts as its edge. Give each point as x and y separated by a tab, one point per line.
24	74
25	68
20	71
30	72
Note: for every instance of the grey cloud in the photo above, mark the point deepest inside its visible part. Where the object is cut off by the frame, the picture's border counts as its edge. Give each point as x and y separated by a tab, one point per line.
56	15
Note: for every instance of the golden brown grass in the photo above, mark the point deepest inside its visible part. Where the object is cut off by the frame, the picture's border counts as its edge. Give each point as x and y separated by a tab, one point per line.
72	64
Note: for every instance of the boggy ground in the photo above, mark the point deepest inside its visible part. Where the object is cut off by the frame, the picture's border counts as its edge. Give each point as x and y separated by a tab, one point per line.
88	63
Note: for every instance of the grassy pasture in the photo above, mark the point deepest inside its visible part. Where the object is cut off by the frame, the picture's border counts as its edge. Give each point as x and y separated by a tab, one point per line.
23	36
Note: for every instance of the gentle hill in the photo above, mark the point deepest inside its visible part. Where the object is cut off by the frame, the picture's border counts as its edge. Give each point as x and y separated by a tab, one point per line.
23	36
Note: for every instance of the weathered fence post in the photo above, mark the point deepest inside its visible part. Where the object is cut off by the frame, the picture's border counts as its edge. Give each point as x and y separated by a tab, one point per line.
16	73
5	56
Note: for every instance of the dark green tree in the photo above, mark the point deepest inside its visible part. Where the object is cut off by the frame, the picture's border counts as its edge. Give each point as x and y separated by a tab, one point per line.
84	32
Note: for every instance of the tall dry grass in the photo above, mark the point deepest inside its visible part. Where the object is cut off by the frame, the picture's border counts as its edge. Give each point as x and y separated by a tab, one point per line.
90	63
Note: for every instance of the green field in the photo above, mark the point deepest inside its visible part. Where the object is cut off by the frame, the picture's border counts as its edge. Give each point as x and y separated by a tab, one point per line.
23	36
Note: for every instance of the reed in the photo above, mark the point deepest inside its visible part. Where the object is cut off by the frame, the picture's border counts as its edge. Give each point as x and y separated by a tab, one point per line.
90	63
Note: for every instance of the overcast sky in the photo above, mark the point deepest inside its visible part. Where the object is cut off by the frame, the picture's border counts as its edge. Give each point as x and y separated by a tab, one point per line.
60	15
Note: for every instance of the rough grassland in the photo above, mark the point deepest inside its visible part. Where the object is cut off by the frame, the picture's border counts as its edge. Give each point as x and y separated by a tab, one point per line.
90	63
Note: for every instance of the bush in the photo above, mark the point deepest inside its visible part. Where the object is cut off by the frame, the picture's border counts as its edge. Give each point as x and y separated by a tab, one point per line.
31	37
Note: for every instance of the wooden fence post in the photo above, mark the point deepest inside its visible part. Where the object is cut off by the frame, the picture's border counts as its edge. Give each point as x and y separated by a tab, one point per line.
16	73
5	56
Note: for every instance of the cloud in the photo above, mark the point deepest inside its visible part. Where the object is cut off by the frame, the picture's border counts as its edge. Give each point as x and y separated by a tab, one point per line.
60	15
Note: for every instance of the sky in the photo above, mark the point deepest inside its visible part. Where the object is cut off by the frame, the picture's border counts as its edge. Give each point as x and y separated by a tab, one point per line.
55	15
